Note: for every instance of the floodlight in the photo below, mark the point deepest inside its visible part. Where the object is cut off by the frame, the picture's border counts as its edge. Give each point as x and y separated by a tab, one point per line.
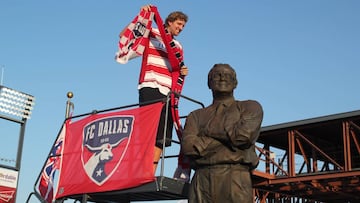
16	103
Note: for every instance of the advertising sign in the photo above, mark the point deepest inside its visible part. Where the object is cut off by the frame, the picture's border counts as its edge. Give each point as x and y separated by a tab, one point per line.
8	183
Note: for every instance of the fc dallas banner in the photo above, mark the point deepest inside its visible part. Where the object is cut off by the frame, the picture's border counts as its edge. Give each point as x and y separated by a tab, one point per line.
111	151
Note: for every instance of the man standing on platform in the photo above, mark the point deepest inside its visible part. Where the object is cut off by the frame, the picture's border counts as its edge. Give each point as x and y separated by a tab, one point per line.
156	79
220	141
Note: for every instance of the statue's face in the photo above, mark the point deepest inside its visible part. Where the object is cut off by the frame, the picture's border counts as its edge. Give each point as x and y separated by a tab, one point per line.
222	80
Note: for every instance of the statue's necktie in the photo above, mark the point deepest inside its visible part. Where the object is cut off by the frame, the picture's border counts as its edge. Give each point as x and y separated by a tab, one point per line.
220	109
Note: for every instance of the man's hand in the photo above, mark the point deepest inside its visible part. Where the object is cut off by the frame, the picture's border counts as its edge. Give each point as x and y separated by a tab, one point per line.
146	8
184	71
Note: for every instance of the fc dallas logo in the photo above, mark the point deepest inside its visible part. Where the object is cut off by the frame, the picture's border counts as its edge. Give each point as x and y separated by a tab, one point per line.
104	144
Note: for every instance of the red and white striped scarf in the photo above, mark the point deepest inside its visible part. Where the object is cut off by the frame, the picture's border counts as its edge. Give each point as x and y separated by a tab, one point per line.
133	41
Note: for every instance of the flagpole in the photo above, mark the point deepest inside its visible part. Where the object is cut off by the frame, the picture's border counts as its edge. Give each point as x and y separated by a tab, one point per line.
69	105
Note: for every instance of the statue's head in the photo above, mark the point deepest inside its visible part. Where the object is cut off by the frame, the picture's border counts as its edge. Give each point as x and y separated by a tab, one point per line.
222	79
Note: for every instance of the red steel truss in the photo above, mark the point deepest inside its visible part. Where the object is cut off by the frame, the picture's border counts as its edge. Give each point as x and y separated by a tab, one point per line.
313	160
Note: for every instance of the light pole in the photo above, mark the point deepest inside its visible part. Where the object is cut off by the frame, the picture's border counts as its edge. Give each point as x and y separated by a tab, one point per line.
15	107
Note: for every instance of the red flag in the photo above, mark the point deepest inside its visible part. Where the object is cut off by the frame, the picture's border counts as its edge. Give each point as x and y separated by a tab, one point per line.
111	151
46	185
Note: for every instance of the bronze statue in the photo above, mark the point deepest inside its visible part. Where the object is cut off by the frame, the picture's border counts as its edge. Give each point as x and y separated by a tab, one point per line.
220	142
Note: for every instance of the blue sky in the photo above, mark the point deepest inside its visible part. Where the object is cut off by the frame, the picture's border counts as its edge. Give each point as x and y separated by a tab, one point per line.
299	59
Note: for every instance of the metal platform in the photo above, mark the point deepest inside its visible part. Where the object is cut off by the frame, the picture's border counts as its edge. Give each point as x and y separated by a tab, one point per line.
163	188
